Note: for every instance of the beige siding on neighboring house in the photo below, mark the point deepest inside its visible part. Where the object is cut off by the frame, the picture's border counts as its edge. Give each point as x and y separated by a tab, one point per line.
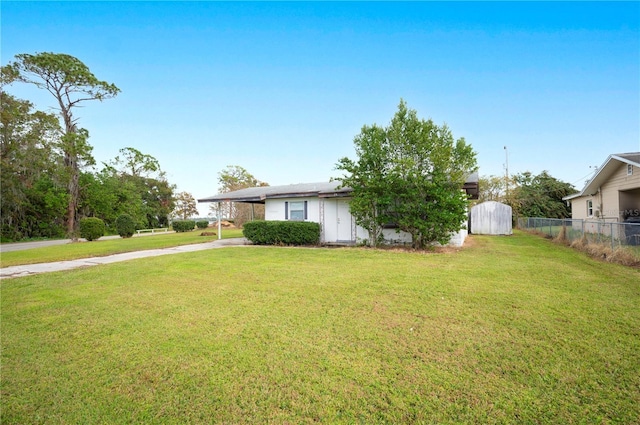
614	200
619	181
579	208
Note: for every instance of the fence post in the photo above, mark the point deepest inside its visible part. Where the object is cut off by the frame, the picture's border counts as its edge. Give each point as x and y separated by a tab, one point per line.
612	244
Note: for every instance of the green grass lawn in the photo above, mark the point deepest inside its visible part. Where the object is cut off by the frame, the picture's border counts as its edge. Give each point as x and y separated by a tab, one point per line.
101	248
508	330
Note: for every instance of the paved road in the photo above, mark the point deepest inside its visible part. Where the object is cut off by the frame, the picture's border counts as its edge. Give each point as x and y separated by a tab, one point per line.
30	269
21	246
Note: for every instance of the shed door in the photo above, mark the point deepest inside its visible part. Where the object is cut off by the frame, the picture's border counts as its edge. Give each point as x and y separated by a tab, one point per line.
343	221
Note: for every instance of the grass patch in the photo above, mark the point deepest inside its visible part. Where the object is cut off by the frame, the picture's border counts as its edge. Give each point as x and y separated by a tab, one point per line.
593	245
514	329
101	248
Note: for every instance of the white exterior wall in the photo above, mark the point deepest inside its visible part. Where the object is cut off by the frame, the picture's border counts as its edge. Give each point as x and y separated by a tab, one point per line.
457	239
274	208
338	224
392	237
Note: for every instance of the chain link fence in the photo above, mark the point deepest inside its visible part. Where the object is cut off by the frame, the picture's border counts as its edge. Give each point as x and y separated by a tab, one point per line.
613	235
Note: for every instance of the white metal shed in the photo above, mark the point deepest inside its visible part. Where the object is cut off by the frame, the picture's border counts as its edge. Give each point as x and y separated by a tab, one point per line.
491	218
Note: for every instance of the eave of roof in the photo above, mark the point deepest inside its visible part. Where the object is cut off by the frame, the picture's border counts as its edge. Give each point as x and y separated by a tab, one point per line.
605	171
322	190
259	194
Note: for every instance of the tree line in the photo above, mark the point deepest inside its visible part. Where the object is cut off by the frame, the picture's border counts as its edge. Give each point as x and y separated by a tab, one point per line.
528	194
48	174
49	179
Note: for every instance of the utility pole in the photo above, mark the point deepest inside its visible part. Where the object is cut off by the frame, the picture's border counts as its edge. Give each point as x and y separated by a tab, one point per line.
506	180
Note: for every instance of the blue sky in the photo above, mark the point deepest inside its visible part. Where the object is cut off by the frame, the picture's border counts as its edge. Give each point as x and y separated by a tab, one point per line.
281	89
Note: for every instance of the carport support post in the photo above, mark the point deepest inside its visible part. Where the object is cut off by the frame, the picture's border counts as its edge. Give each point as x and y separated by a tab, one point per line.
219	224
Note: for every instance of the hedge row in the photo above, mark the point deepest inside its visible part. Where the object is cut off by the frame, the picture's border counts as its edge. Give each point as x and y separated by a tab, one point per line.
282	232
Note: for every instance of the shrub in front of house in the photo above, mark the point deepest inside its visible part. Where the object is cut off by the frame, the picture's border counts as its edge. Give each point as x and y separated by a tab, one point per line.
91	228
282	232
183	225
125	225
202	224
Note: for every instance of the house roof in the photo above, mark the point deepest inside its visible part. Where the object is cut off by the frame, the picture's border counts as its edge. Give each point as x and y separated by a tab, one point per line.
605	171
259	194
332	189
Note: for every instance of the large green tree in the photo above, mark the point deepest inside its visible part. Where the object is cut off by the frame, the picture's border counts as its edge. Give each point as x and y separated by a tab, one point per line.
235	177
144	173
105	194
185	206
491	188
132	162
31	185
541	196
71	83
369	177
133	184
497	188
409	174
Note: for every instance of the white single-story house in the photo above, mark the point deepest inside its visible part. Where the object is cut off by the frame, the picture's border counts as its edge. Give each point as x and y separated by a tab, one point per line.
612	194
324	203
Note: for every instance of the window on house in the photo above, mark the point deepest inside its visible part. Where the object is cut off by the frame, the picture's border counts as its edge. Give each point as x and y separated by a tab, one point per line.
589	208
629	170
296	211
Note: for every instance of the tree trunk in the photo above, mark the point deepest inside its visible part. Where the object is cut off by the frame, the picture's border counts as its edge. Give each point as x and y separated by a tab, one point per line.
416	240
73	191
373	238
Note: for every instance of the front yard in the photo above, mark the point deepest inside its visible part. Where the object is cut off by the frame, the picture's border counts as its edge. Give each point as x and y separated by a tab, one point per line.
509	329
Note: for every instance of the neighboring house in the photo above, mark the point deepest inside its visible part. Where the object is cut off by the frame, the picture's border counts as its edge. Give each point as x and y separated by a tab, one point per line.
326	204
613	194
